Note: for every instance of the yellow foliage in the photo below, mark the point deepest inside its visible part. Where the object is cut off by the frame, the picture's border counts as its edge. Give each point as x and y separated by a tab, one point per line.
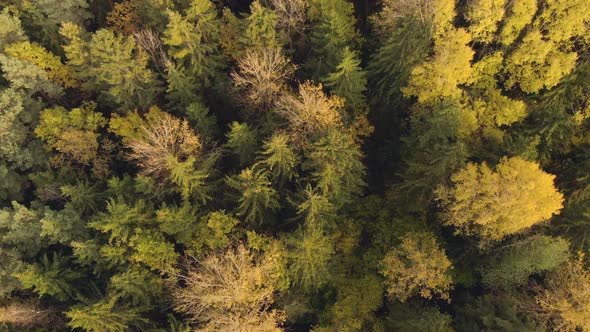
311	111
565	19
155	138
484	16
49	62
538	64
450	66
563	302
124	17
493	204
231	291
438	13
417	266
519	13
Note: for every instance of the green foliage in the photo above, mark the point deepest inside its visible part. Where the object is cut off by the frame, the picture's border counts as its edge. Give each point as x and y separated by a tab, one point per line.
336	167
261	28
513	265
110	63
349	80
332	31
257	197
51	276
103	316
309	252
278	157
192	41
242	140
418	318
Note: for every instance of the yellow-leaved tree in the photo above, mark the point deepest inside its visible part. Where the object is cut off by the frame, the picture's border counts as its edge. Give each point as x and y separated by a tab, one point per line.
493	204
563	302
450	66
418	266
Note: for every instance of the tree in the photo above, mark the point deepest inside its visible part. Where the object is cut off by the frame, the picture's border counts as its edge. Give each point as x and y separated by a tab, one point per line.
155	138
261	28
50	63
193	40
257	197
493	204
262	76
332	30
242	141
439	77
11	30
53	277
537	64
336	167
483	17
29	314
110	63
562	302
278	157
74	134
309	252
513	265
438	14
291	18
417	267
104	316
518	15
349	81
43	18
311	113
231	290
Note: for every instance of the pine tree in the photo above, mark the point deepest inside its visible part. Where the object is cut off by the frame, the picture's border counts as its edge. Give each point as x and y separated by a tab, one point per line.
257	197
261	28
349	81
278	157
104	316
53	277
332	30
336	167
242	140
309	252
110	63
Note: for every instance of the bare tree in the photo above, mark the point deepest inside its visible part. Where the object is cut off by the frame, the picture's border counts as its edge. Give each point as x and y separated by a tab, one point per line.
261	76
310	112
291	17
161	137
230	291
151	43
28	314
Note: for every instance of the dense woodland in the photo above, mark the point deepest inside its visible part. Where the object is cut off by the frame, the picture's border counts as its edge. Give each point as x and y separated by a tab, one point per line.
294	165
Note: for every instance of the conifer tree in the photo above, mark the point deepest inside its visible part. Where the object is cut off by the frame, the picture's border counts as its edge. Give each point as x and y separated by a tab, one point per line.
193	40
349	81
257	197
110	63
261	28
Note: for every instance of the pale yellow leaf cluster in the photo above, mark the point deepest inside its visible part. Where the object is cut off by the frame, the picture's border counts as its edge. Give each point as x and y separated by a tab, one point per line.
261	76
417	266
563	302
565	19
439	77
230	291
493	204
483	17
311	111
538	63
50	63
154	138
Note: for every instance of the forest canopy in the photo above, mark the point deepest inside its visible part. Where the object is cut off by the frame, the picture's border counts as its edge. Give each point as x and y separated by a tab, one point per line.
294	165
